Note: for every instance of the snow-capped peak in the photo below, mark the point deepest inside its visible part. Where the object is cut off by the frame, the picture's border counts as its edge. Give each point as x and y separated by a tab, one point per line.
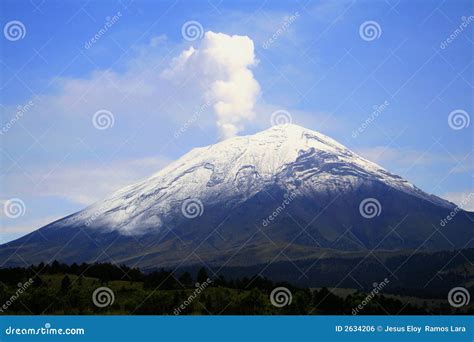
238	168
268	151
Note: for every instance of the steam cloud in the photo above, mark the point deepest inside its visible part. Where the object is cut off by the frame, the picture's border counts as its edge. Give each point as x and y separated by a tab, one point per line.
223	64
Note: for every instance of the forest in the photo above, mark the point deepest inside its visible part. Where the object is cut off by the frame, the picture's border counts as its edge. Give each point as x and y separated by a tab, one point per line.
62	289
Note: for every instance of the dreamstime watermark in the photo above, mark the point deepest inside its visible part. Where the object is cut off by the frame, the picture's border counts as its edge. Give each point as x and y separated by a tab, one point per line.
14	208
184	127
109	22
287	22
458	119
103	119
377	288
192	208
280	117
196	293
102	297
458	297
280	297
46	330
21	110
456	210
284	204
370	30
21	288
465	21
370	208
95	214
192	30
14	30
377	110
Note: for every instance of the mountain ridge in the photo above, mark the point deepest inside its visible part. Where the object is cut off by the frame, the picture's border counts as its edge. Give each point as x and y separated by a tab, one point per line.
245	170
209	206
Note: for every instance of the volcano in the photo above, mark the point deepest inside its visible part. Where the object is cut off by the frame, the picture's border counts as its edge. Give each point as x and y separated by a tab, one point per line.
286	193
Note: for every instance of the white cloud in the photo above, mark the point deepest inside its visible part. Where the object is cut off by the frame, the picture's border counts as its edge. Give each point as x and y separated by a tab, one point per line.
408	158
83	184
27	226
134	90
155	41
223	64
464	200
404	158
157	88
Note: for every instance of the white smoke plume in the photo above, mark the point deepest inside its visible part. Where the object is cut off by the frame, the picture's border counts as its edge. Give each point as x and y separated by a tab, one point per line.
223	65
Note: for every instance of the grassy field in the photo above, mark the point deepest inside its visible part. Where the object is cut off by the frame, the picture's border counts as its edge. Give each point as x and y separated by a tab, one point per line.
99	289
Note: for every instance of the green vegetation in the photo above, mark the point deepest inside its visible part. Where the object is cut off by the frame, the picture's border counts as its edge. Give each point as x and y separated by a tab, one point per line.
62	289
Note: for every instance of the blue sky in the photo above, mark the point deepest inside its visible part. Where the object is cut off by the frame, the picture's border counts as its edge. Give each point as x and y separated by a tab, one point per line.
311	59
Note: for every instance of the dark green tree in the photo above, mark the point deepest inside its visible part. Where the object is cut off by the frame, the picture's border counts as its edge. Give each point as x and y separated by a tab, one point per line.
202	275
65	284
186	279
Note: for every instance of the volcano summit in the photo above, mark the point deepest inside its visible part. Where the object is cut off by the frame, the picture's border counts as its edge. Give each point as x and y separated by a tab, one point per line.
284	193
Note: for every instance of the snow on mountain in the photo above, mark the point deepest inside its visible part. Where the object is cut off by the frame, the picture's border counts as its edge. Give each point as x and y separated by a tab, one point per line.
294	158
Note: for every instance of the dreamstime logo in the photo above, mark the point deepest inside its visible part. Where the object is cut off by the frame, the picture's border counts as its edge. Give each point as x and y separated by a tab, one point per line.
109	22
21	288
95	215
193	119
458	296
196	293
465	21
280	297
280	117
370	207
47	329
14	30
458	119
192	208
14	208
376	290
377	110
287	22
192	30
286	202
102	297
457	209
21	110
370	30
103	119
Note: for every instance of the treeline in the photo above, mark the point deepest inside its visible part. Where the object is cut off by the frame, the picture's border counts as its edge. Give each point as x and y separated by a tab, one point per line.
103	271
58	288
159	279
417	275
